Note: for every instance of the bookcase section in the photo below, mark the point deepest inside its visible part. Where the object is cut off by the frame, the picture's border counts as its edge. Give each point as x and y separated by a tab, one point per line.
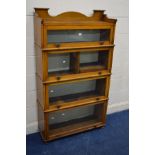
74	119
74	56
68	92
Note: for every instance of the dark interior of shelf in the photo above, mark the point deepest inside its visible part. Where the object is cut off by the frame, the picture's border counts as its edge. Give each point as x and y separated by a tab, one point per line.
73	97
91	66
72	122
98	61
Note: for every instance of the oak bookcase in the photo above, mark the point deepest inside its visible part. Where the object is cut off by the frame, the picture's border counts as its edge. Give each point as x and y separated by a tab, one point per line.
73	67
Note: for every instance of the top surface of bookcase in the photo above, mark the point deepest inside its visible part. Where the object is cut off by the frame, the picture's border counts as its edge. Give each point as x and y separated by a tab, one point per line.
73	17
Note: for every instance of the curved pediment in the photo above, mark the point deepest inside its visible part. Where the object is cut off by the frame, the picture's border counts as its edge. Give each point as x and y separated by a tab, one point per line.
71	15
98	15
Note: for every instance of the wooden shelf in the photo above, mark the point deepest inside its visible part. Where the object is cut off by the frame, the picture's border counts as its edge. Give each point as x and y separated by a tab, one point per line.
77	77
74	48
59	105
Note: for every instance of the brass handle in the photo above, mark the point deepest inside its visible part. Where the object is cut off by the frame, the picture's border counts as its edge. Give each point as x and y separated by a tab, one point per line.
97	99
58	106
101	43
99	73
57	45
58	78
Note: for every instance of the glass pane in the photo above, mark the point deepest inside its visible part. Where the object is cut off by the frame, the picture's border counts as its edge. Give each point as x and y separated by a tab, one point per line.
66	36
97	60
58	63
78	116
88	57
75	91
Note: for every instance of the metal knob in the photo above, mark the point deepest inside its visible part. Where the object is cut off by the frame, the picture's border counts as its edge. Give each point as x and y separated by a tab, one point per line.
101	43
58	106
57	45
97	99
58	77
99	73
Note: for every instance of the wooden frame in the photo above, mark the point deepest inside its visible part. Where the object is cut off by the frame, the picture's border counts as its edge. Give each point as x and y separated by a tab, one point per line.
44	22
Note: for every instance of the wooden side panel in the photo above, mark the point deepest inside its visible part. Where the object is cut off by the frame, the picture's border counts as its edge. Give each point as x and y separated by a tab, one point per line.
41	122
37	31
46	124
40	92
107	86
46	97
110	58
39	61
113	33
45	65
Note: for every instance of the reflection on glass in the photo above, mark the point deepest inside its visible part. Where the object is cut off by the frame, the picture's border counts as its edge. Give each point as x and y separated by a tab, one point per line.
58	63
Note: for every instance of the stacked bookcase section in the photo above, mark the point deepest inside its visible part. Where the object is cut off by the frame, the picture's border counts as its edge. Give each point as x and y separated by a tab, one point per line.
73	61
